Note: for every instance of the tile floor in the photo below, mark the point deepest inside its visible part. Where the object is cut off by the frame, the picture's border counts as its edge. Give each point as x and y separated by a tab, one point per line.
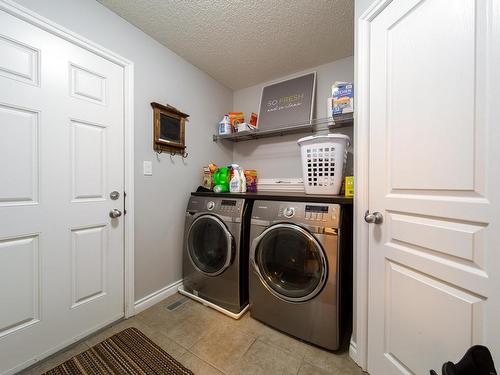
209	343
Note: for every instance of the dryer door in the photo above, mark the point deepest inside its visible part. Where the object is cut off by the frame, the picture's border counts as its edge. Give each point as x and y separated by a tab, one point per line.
290	262
210	245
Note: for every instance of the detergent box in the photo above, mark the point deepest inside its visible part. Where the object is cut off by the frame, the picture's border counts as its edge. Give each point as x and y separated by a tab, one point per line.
343	98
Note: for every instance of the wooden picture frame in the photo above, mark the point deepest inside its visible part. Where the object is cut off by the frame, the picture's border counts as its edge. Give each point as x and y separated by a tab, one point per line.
168	129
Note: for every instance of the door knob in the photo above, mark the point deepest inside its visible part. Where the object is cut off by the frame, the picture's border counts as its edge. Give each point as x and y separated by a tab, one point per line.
374	218
114	213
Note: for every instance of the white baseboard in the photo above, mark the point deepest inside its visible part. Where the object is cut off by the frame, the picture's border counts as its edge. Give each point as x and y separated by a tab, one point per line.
353	352
155	297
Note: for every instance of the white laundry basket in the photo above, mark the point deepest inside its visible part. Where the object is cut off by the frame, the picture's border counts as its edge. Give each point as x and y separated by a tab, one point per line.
323	162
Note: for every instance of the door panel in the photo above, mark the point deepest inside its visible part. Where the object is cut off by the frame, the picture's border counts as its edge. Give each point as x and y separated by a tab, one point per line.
410	328
430	268
88	160
18	165
20	266
20	61
430	86
87	85
89	264
61	154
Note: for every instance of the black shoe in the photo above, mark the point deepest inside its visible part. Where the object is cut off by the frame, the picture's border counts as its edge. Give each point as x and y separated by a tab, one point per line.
477	361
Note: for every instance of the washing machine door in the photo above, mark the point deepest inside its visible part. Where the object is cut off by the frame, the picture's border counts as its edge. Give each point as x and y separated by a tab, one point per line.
290	262
210	245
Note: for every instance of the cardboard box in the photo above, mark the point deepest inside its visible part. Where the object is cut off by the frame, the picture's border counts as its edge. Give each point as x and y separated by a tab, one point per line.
343	98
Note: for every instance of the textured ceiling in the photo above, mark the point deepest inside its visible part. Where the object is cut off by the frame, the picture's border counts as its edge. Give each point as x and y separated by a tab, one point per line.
244	42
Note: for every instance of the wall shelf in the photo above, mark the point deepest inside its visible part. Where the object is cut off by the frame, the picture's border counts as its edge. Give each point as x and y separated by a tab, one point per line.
340	121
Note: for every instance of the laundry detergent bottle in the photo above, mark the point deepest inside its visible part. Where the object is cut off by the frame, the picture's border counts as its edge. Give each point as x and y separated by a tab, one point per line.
221	180
235	183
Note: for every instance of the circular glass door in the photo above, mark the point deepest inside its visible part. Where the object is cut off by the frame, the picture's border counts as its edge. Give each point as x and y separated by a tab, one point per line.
209	245
291	262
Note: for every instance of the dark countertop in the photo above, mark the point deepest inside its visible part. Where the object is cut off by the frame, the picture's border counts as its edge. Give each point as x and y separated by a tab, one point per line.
281	196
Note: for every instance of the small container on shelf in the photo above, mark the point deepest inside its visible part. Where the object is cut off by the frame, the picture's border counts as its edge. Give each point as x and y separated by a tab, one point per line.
251	180
349	186
225	126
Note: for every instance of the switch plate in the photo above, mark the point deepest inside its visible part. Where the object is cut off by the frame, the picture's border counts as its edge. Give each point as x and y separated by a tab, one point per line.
147	168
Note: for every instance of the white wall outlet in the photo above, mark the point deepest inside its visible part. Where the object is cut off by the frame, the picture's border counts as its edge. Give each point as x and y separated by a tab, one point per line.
147	168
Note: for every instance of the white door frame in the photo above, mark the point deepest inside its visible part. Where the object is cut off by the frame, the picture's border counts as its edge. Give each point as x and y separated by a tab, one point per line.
359	349
35	19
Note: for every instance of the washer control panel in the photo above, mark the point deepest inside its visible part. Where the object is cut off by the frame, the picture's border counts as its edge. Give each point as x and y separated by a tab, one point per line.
228	206
318	213
216	206
289	212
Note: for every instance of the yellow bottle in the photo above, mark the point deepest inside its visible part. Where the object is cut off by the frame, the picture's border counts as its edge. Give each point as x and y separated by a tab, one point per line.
349	186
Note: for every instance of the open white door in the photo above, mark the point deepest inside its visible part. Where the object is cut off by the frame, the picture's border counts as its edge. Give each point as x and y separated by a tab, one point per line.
61	155
434	176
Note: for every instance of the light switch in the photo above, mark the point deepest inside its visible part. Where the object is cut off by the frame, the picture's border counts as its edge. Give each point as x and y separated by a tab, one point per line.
147	167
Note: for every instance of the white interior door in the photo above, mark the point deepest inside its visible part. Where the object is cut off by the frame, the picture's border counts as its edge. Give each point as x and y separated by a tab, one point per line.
61	154
434	261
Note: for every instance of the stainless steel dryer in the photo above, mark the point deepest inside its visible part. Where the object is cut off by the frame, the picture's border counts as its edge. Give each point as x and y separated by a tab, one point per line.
300	270
215	259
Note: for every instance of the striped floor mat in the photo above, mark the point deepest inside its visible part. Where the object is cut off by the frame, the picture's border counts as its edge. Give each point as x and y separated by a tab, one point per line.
127	352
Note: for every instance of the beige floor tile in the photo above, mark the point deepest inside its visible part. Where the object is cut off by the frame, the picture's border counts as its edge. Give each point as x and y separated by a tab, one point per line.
308	369
329	361
169	345
198	366
249	324
224	346
189	331
192	322
266	359
159	317
285	342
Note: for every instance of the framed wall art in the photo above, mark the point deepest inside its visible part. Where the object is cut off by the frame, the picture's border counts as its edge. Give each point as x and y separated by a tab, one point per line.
288	102
168	129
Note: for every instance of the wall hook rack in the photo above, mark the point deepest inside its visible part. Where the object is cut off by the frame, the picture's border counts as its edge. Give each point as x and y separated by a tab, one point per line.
184	154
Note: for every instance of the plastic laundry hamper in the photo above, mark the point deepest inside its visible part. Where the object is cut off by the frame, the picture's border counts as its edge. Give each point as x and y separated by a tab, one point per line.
323	161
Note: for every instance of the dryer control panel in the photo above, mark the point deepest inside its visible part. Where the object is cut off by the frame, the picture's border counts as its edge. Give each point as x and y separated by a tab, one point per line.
317	214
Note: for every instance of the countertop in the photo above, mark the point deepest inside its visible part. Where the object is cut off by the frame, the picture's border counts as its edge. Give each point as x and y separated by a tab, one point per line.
281	196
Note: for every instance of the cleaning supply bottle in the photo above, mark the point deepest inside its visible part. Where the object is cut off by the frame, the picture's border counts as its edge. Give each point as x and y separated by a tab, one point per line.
235	182
225	126
221	189
221	180
243	180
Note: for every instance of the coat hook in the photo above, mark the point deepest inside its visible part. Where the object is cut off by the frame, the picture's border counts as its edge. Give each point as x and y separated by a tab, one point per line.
185	154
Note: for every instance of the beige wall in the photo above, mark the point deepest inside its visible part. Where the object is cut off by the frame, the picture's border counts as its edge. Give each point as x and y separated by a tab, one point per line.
279	157
164	77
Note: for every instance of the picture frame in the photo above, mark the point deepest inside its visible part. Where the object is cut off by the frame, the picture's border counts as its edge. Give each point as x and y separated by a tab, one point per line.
169	125
288	102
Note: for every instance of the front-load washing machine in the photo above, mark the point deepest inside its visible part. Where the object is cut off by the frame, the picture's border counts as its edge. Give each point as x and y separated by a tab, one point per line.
215	258
301	269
